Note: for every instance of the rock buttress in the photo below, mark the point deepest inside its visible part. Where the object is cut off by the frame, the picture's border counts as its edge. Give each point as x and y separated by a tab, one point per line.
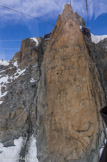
98	52
20	82
69	97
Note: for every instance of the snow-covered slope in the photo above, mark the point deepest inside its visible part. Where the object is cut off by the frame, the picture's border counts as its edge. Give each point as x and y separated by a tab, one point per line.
10	72
97	38
19	79
4	63
11	154
5	78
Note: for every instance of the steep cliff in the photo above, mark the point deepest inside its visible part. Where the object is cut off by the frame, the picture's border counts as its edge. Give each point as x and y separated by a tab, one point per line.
69	96
51	92
98	52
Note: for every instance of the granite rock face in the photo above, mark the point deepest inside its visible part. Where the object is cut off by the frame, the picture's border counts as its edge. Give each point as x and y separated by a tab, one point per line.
53	88
69	97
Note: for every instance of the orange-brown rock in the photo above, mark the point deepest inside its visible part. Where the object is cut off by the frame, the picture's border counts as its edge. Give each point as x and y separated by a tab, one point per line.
69	97
29	52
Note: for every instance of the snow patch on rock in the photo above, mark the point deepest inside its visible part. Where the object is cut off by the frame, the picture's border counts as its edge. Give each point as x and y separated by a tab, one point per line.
80	27
5	79
101	151
4	94
32	152
11	154
1	102
32	80
18	73
15	64
35	40
3	82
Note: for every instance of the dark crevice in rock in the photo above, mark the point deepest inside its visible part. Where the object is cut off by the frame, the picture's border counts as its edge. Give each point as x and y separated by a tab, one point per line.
42	49
30	129
28	134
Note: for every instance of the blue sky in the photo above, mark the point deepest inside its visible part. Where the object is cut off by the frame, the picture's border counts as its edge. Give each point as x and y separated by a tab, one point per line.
15	27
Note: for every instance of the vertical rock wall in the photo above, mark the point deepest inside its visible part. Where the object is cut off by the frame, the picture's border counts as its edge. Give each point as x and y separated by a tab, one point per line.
69	97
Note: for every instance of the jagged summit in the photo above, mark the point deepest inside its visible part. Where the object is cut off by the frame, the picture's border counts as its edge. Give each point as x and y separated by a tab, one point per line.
68	15
68	11
69	22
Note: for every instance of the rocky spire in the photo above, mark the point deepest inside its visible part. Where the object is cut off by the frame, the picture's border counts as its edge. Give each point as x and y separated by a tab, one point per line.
69	96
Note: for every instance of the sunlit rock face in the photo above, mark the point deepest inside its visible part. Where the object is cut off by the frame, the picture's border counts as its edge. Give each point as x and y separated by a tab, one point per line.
69	96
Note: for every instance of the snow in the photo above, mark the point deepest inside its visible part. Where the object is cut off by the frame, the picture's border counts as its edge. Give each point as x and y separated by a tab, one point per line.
32	80
101	151
80	27
3	82
11	154
2	71
18	73
47	38
32	152
1	102
96	39
4	94
35	40
4	79
15	63
102	148
4	63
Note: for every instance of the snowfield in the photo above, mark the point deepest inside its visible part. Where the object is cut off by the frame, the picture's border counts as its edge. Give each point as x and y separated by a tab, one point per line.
11	154
97	38
4	63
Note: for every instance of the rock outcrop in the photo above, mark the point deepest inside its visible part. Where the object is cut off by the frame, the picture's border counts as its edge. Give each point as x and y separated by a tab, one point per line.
18	88
69	97
98	53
